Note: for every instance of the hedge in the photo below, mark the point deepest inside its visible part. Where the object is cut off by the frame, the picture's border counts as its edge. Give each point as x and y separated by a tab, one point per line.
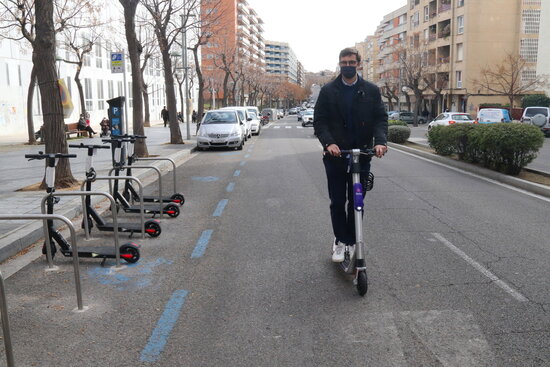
398	134
396	123
503	147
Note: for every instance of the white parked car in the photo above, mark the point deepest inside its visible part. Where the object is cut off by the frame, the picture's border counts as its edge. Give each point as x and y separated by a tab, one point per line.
450	118
538	116
221	129
243	115
255	123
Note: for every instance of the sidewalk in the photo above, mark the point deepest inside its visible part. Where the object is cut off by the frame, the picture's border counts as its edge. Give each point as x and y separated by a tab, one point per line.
16	172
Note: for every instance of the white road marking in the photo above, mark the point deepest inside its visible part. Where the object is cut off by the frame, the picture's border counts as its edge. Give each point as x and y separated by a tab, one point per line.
276	127
477	176
299	127
288	127
518	296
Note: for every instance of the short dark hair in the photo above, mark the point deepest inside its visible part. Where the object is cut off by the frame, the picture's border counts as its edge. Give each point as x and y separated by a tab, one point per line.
348	51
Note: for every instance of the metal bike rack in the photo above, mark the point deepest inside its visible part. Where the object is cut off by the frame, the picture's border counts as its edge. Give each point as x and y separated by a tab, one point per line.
6	323
163	159
141	195
45	218
83	194
140	186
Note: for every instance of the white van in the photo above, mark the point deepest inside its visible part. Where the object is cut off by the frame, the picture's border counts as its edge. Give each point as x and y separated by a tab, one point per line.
538	116
493	115
243	114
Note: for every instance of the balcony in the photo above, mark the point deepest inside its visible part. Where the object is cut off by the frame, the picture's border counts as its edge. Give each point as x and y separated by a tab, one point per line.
243	19
243	9
242	31
444	6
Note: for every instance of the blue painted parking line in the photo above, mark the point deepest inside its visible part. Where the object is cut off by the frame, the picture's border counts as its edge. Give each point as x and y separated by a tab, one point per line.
242	163
230	187
164	327
219	209
248	155
237	173
202	243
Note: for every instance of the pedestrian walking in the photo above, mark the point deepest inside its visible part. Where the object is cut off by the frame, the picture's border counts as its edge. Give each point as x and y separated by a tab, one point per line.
194	116
349	114
164	114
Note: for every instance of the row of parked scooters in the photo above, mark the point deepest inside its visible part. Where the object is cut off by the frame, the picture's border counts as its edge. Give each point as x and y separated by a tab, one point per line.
123	158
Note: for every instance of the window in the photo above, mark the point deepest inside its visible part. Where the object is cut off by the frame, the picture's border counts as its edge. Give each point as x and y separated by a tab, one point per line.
460	24
130	96
7	74
98	55
459	52
528	49
426	13
460	3
110	89
459	79
108	50
88	98
426	34
100	96
528	75
19	75
530	21
120	89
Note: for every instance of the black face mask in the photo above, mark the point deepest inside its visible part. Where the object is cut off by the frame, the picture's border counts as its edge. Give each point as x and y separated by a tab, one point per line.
348	71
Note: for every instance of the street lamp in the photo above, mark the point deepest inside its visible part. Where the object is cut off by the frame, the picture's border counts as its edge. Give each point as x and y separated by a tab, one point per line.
185	67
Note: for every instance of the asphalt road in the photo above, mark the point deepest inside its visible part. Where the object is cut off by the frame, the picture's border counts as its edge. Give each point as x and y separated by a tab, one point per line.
541	163
458	273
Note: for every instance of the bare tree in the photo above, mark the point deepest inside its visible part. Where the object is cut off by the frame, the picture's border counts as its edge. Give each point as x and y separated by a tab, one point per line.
390	90
225	60
134	51
506	78
18	21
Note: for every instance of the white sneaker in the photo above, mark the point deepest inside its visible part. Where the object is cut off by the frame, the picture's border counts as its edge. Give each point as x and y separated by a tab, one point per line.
338	250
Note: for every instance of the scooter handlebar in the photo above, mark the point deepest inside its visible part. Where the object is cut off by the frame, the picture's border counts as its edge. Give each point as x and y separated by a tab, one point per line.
87	146
367	152
41	155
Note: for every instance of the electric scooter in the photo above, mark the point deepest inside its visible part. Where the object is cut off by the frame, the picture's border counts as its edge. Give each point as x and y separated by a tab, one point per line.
130	192
152	226
129	251
117	142
355	263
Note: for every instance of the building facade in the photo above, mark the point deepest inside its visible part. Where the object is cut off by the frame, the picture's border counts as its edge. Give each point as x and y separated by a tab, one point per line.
281	60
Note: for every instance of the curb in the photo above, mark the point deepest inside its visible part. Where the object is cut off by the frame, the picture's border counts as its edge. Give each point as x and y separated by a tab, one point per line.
497	176
26	235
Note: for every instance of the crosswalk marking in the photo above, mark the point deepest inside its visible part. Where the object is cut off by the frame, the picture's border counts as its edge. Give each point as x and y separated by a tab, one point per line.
288	127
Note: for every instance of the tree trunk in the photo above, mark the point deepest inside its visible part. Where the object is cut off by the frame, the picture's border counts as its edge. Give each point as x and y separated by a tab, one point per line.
43	58
200	79
147	120
30	96
80	90
183	109
225	88
171	103
133	51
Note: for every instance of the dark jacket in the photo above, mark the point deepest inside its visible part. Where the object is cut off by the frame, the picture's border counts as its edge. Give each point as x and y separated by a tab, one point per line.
369	116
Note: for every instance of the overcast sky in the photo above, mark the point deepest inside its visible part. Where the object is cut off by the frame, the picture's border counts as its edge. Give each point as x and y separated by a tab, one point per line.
317	30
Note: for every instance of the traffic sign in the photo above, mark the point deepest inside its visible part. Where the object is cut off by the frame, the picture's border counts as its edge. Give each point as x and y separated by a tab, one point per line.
117	62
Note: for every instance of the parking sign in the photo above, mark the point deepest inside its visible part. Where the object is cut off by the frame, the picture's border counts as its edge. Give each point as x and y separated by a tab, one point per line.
117	62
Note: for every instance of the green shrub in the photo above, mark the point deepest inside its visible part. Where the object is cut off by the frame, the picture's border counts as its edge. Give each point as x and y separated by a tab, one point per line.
503	147
396	123
398	134
539	100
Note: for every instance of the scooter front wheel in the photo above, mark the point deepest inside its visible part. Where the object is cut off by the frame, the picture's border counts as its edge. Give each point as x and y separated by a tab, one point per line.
130	253
362	282
179	198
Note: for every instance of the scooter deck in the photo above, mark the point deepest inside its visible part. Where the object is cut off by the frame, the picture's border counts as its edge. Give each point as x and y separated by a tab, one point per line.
122	227
153	209
155	199
95	252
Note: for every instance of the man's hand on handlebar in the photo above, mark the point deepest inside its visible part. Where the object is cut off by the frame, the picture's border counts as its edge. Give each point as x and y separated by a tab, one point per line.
334	150
380	150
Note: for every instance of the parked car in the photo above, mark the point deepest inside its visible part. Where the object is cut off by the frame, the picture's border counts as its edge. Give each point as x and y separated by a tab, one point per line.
271	113
538	116
393	115
408	117
255	123
307	118
221	129
280	114
493	115
300	114
243	114
450	118
292	111
253	109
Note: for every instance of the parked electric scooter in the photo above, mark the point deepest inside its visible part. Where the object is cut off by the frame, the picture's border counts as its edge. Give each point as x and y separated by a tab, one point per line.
117	142
355	263
152	226
129	251
129	191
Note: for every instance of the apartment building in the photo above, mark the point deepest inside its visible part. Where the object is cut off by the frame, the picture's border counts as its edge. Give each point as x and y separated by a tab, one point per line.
368	49
281	60
300	75
543	58
456	39
237	29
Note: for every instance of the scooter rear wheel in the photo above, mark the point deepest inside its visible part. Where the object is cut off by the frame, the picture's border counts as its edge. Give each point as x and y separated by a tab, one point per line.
129	250
362	283
152	228
179	197
172	210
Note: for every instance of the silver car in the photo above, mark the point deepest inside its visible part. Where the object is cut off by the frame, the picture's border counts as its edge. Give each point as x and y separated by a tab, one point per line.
221	129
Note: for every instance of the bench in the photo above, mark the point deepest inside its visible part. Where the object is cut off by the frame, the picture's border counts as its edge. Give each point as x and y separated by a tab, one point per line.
73	129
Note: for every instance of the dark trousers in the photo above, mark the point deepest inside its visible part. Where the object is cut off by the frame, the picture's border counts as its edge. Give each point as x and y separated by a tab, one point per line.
165	121
340	191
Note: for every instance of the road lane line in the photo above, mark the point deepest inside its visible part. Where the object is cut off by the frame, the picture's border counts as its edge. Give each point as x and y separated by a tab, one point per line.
288	127
219	209
276	127
230	187
237	173
518	296
202	243
248	155
525	192
164	327
242	163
